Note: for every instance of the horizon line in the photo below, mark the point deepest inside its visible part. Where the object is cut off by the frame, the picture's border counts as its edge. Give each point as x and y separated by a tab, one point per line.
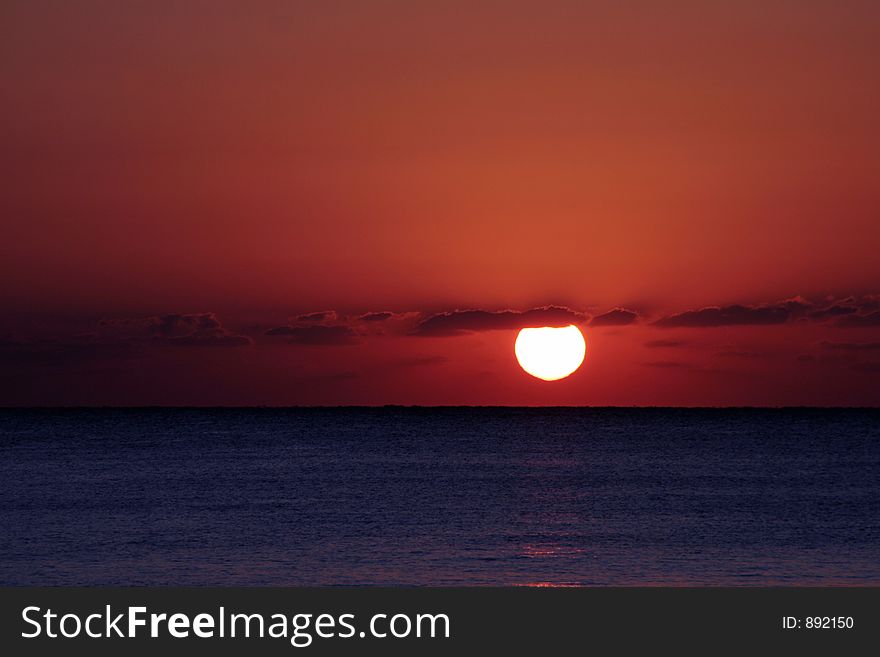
417	407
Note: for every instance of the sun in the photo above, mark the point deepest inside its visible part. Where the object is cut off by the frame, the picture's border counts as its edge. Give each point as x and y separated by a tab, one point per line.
550	353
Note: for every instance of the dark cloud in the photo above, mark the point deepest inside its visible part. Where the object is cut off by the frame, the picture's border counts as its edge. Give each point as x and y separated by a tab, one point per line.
867	367
185	325
834	310
180	329
865	304
317	317
616	317
857	321
734	315
796	305
172	324
376	316
665	344
851	311
850	346
458	322
806	358
119	339
318	335
666	364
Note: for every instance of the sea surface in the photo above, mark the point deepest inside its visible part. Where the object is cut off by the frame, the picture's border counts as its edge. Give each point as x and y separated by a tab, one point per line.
443	496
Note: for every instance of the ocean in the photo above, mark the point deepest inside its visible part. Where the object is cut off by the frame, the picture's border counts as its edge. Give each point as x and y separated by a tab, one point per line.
440	496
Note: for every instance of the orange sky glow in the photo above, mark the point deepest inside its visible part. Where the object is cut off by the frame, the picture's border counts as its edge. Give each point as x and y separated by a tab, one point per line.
187	184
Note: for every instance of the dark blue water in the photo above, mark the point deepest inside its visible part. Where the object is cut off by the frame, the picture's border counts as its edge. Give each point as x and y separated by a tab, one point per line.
440	497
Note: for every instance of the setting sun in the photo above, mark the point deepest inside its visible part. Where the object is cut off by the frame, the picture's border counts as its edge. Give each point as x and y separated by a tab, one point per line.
550	353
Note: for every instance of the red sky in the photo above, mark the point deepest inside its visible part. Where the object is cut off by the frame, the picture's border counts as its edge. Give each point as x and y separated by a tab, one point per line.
181	178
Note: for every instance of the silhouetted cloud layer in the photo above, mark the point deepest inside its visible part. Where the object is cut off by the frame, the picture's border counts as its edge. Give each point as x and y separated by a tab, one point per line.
616	317
858	321
847	312
180	329
734	315
380	316
318	317
458	322
834	310
120	339
124	338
